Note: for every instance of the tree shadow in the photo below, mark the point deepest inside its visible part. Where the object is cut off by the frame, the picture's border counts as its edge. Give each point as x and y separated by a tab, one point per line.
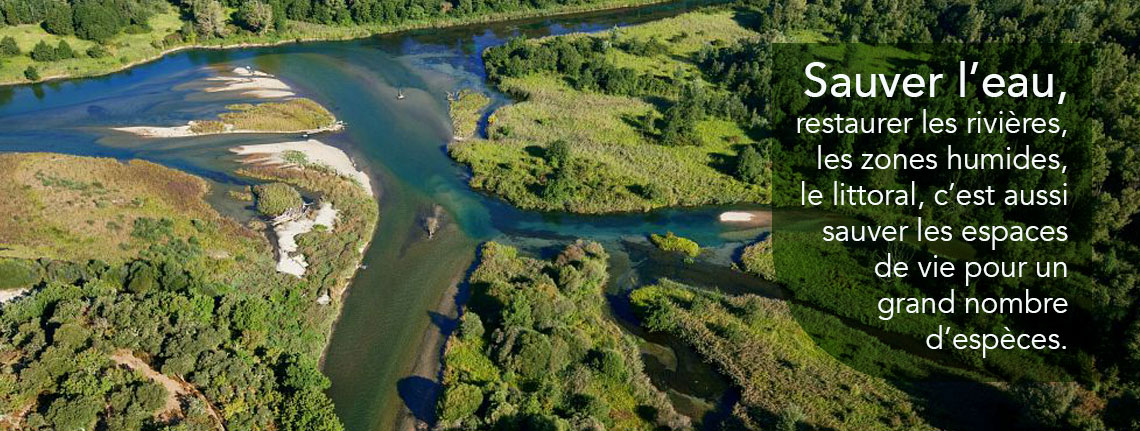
419	395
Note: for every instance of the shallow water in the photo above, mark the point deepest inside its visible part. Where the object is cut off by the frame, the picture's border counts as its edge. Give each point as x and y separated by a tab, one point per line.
398	297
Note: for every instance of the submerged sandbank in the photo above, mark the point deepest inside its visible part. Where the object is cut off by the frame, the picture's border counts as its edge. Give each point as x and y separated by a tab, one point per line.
251	83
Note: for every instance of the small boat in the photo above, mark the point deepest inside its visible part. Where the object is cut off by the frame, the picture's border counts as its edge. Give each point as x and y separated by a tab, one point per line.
400	94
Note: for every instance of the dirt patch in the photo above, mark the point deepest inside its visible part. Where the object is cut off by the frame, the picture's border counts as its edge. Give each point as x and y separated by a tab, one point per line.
175	387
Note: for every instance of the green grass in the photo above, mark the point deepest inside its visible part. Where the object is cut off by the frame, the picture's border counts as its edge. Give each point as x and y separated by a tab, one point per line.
294	115
619	167
77	208
757	259
466	108
128	50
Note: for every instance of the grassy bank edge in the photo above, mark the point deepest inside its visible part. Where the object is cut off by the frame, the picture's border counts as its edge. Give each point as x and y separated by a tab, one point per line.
340	33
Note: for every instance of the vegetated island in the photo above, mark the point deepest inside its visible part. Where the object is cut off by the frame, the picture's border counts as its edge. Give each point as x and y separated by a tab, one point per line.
291	116
617	121
142	307
535	351
42	41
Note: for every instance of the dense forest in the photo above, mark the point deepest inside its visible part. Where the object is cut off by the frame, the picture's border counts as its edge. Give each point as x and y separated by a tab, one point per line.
535	351
192	332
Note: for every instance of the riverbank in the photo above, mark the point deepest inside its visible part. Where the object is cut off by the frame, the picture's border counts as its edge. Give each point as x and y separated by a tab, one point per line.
12	72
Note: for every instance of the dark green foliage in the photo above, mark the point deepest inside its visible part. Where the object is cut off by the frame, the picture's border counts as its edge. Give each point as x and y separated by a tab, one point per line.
57	19
751	166
64	51
44	52
255	16
98	20
547	357
32	74
557	153
8	46
149	229
17	273
98	51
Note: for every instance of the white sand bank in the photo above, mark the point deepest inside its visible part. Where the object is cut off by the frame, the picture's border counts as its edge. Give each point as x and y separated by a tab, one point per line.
8	295
315	152
289	225
757	218
251	83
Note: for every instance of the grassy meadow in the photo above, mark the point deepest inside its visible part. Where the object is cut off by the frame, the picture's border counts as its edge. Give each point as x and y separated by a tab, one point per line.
293	115
465	109
77	208
130	49
619	167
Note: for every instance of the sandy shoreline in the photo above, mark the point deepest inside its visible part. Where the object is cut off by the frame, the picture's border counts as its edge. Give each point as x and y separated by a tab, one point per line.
251	83
8	295
316	152
747	218
289	225
185	131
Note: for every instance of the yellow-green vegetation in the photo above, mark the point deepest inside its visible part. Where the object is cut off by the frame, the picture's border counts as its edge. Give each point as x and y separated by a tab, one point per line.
77	208
757	259
466	108
611	97
123	50
676	244
17	273
192	295
786	380
275	199
535	350
167	31
293	115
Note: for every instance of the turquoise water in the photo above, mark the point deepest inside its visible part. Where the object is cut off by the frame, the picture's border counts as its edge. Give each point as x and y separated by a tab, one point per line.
397	305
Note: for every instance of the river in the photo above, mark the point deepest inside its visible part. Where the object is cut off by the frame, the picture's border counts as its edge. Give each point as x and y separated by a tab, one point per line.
401	304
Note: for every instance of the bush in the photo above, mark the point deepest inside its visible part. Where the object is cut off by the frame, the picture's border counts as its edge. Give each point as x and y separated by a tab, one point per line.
44	52
64	51
98	51
32	74
276	198
674	243
757	259
558	153
17	273
8	46
751	166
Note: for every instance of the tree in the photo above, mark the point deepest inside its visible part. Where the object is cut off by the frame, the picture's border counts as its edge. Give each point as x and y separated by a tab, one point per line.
558	153
751	166
64	51
8	46
276	198
308	410
97	20
57	19
32	74
44	52
255	16
209	18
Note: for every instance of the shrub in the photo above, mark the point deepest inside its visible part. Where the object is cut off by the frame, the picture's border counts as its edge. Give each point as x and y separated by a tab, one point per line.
9	47
98	51
44	52
276	198
757	259
470	326
64	51
557	153
17	273
674	243
32	74
751	166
